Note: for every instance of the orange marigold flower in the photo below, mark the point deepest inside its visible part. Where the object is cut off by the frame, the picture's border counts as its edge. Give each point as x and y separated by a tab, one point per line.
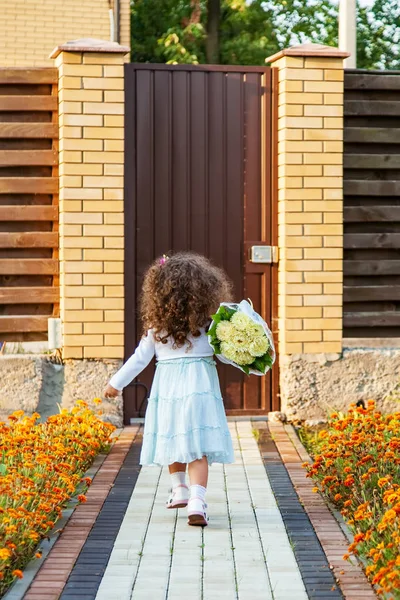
97	401
382	481
11	545
337	497
17	573
38	555
4	553
346	556
348	482
82	498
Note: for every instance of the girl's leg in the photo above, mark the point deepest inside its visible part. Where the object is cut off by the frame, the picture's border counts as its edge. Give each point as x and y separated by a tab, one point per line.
198	472
177	468
180	493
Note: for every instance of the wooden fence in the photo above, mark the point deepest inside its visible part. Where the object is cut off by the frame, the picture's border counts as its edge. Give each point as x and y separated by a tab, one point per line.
29	292
372	204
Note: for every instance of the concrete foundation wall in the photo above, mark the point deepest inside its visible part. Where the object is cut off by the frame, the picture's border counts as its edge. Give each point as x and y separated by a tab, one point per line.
35	384
312	386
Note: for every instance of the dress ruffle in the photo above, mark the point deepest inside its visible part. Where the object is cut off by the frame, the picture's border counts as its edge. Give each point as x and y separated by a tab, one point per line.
185	418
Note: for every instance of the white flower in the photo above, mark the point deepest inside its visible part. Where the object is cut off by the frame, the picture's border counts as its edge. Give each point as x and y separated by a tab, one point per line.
259	346
241	357
241	321
224	331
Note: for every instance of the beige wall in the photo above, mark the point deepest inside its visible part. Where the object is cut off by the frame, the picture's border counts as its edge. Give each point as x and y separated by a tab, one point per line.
310	199
31	29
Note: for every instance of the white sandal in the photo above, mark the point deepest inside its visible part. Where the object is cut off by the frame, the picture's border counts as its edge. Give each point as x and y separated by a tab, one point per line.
197	515
179	497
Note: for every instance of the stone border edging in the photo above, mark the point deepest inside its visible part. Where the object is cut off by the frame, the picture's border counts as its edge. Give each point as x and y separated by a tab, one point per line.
50	579
85	578
350	577
318	579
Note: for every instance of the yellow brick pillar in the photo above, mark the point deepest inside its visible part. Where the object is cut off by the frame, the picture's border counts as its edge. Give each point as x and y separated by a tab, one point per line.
310	198
91	124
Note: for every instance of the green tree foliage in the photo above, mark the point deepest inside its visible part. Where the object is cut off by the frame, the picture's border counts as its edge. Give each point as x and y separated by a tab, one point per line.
175	31
378	36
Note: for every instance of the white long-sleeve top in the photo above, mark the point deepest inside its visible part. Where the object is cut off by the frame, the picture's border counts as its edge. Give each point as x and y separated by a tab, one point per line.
148	347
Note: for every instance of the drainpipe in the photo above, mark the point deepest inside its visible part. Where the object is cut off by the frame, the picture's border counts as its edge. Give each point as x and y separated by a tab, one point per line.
348	31
116	21
113	13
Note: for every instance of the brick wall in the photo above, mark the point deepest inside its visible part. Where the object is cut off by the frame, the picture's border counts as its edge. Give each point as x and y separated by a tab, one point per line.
30	29
91	202
310	201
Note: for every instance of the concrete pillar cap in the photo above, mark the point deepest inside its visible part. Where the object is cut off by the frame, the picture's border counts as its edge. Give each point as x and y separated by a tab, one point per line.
303	50
90	45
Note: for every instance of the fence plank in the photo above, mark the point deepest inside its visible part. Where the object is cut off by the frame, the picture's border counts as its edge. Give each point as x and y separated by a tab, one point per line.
371	81
371	267
371	107
35	239
29	295
368	187
371	161
371	240
22	158
29	192
29	266
29	130
28	103
28	185
365	214
23	323
371	319
372	182
372	135
28	213
371	293
26	76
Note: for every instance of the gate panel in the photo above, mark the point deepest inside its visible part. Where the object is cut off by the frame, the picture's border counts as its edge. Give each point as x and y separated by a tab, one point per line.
197	177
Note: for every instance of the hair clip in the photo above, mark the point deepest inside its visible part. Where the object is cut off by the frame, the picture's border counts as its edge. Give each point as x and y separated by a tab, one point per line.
164	259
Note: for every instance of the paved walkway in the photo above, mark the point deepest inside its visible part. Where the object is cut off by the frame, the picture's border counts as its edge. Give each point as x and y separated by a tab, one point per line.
261	543
245	552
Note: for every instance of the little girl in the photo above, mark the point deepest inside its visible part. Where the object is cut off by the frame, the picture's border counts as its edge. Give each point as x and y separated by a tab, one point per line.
185	419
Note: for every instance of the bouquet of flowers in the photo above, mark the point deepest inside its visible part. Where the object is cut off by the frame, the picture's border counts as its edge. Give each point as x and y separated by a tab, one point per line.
240	337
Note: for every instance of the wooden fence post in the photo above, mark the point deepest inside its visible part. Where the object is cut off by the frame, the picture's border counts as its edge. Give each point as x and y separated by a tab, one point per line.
310	198
91	124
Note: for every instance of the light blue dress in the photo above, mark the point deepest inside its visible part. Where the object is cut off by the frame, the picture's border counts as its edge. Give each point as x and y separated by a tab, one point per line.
185	417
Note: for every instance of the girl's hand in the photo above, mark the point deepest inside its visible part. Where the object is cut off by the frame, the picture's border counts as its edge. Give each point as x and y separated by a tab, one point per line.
110	392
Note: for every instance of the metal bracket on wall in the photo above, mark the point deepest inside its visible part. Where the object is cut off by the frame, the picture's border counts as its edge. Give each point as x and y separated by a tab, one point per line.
263	254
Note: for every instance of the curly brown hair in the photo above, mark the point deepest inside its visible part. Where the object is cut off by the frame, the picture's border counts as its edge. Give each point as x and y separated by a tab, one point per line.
179	295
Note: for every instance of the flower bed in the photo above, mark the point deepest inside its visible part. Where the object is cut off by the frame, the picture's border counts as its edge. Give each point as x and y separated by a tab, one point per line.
356	466
41	467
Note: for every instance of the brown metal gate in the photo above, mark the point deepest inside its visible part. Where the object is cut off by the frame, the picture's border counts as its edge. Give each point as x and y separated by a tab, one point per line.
199	175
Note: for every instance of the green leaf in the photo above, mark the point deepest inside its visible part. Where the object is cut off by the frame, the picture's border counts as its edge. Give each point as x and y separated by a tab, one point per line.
262	362
3	469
